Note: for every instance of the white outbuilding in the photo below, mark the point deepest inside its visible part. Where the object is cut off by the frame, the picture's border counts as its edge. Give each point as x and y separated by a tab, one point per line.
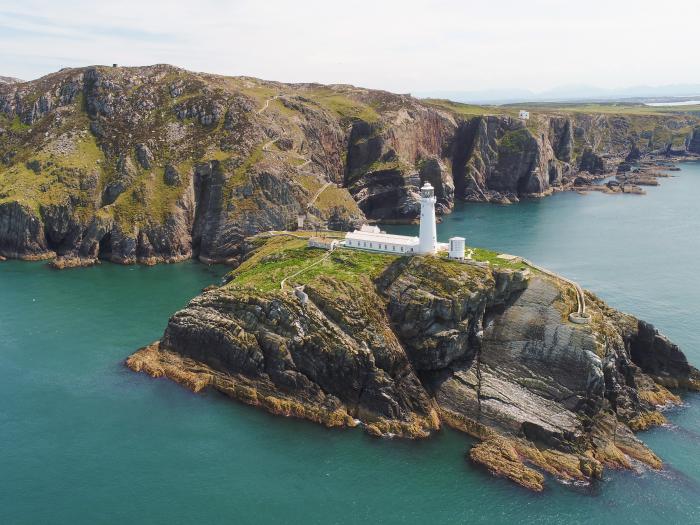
524	115
381	242
457	246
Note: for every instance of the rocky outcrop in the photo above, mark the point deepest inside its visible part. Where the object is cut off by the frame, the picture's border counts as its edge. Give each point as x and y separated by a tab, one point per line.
501	159
22	232
433	342
661	359
388	161
693	145
591	163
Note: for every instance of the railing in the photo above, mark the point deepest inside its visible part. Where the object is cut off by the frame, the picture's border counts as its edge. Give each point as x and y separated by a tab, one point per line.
580	316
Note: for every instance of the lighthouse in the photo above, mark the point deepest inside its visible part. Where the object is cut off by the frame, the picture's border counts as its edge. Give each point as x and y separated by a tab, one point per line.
371	238
428	231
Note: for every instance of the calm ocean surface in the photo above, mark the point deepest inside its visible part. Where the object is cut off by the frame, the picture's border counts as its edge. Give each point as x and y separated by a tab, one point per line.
84	441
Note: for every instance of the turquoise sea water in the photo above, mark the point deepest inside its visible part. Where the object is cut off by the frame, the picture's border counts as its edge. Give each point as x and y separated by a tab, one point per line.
84	440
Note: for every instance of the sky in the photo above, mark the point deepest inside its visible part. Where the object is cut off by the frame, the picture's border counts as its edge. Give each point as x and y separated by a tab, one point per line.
406	47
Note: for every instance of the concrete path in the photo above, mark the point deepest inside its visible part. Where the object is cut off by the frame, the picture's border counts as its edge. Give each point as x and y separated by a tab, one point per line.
267	103
269	143
325	257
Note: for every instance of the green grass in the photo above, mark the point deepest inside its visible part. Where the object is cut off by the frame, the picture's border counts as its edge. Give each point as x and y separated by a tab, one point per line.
385	166
515	141
58	178
17	126
218	154
21	184
281	257
148	200
491	257
240	174
85	156
278	106
310	183
466	110
343	106
333	197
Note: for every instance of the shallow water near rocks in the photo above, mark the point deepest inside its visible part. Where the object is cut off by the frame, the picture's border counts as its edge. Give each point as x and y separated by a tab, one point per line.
84	440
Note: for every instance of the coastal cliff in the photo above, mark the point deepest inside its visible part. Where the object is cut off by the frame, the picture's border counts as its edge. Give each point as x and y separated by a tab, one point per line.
404	345
158	164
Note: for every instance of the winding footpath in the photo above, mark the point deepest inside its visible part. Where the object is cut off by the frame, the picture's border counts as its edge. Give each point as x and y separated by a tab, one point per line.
324	258
267	103
317	194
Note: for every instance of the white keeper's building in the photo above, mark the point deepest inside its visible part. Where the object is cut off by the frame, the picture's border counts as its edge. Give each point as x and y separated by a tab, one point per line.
373	239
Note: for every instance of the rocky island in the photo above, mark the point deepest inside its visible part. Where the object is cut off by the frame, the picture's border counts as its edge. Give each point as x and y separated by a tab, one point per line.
405	345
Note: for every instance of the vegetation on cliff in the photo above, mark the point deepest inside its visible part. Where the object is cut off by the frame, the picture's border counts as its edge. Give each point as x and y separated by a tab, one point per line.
157	163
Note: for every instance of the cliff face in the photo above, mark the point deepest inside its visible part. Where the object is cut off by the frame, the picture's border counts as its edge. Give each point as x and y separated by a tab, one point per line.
159	164
694	141
502	159
402	346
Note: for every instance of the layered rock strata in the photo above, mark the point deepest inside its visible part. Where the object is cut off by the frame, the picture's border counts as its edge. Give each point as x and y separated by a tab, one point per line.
417	343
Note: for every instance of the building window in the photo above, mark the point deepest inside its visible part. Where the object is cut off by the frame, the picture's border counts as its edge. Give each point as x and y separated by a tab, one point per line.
393	248
402	248
370	245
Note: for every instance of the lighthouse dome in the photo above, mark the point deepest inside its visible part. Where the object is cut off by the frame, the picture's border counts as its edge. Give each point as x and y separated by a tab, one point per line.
427	190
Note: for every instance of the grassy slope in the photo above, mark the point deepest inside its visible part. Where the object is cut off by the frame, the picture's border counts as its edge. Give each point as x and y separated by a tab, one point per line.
280	257
276	258
148	199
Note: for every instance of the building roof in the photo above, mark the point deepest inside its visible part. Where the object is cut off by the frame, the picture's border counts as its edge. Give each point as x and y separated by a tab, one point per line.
358	235
370	229
457	239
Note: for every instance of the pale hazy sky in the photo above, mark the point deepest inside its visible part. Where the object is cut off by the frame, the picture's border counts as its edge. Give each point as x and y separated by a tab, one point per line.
402	46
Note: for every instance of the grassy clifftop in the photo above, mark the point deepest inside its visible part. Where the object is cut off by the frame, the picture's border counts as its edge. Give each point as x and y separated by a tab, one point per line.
287	256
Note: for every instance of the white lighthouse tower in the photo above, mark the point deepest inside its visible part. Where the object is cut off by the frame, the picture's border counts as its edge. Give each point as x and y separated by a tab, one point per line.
428	231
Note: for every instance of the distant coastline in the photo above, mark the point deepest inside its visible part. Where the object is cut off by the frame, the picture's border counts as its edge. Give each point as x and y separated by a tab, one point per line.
680	103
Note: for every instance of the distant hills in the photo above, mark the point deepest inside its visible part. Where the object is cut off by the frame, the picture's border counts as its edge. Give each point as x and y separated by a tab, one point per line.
9	80
572	93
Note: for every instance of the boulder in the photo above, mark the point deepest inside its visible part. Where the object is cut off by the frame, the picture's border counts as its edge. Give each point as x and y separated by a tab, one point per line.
171	176
144	156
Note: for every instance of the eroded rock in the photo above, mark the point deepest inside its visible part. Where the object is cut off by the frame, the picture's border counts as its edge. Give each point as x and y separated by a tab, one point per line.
430	342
